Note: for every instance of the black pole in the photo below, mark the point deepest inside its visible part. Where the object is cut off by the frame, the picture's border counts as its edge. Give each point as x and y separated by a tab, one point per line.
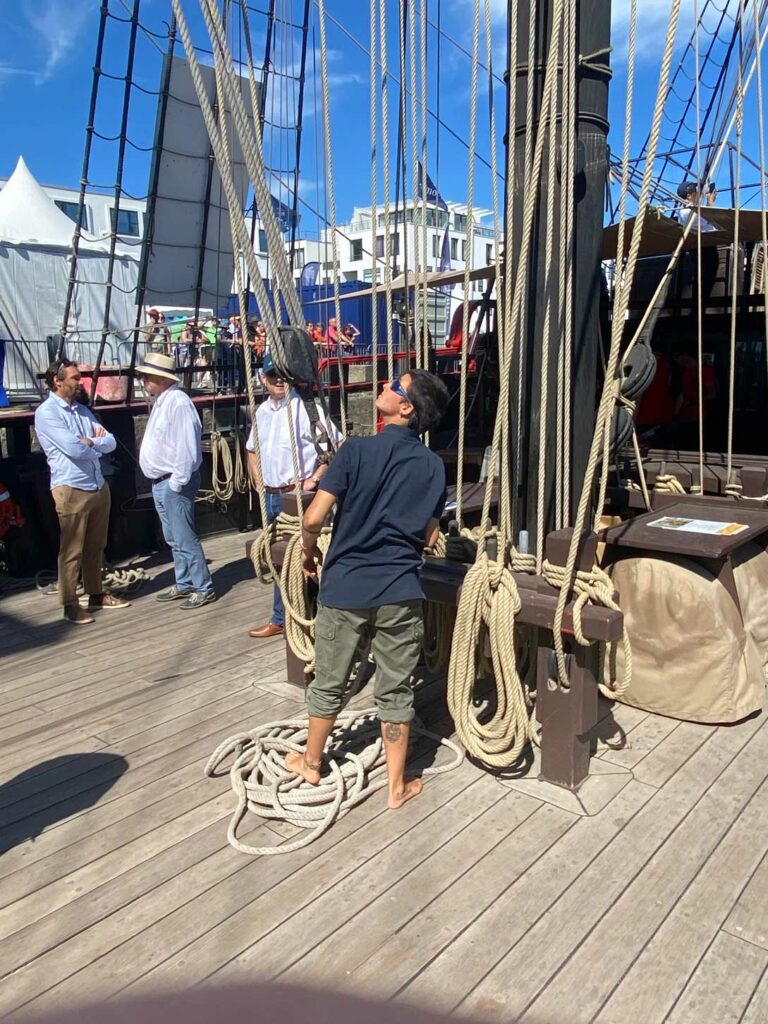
592	37
149	219
299	127
104	14
127	91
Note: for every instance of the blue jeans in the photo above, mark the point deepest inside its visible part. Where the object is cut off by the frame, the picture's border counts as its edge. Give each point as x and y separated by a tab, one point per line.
177	515
273	511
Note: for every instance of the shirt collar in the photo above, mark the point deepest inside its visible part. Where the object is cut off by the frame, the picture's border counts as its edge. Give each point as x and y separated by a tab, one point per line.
160	398
277	406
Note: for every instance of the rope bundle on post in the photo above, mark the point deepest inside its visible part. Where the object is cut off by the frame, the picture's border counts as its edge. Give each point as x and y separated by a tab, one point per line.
594	587
299	620
263	785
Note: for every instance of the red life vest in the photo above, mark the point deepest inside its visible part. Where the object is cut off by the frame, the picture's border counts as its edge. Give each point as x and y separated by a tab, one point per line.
10	513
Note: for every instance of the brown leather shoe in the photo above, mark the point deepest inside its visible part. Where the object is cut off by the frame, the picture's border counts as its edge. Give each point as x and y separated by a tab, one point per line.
107	601
262	632
77	615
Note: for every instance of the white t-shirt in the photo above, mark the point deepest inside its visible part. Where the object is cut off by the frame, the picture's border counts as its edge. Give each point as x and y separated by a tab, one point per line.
275	440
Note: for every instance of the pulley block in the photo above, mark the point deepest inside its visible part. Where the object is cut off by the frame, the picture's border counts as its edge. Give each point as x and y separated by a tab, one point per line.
638	370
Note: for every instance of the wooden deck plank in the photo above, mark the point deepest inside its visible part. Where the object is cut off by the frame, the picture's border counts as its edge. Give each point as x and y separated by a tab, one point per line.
658	767
644	737
358	931
424	934
757	1010
128	795
749	917
453	971
174	924
723	985
682	824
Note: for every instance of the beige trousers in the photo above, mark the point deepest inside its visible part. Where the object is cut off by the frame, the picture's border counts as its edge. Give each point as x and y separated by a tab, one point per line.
83	518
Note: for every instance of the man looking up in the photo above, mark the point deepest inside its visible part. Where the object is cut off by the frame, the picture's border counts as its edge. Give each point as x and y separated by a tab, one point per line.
74	441
389	492
274	430
170	457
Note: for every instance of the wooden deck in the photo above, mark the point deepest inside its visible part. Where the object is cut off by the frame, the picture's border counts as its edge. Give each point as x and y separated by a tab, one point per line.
645	901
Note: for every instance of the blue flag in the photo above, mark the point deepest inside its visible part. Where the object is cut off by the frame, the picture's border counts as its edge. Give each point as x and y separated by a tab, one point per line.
433	196
310	274
284	215
445	255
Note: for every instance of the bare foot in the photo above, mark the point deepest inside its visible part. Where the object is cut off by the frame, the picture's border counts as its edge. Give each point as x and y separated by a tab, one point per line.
411	788
297	764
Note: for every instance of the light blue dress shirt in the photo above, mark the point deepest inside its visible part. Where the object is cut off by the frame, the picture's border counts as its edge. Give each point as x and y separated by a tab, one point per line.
59	427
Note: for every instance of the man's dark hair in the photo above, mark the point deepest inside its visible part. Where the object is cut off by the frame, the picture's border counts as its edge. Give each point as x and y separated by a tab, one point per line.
56	371
429	398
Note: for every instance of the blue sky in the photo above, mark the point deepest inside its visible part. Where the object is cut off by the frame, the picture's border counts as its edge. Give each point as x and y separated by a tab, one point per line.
47	52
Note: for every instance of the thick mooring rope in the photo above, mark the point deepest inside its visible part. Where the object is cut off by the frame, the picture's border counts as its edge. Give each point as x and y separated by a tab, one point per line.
264	786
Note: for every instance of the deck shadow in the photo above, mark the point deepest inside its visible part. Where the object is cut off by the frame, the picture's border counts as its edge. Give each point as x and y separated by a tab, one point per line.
109	766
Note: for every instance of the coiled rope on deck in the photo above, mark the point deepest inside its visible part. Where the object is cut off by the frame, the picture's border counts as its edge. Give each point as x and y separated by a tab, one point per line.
264	786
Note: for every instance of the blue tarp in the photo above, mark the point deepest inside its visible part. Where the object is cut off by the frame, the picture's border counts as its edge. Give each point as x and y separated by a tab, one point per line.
353	311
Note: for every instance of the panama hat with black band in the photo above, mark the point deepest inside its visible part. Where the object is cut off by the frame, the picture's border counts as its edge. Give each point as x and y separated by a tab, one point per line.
158	365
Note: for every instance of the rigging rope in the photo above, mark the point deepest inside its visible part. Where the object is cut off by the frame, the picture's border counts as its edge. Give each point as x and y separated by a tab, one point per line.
262	784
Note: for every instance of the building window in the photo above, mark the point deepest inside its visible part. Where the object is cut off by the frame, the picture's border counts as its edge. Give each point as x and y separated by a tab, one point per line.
460	222
356	250
394	244
263	247
127	222
454	248
464	250
380	246
436	246
298	259
70	209
489	254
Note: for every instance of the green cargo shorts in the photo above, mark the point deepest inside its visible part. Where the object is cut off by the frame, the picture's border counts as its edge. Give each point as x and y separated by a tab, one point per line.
394	633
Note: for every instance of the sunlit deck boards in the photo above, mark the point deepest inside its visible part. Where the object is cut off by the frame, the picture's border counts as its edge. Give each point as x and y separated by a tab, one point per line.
116	875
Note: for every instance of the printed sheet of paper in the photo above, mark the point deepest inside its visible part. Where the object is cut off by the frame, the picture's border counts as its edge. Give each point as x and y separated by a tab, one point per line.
707	526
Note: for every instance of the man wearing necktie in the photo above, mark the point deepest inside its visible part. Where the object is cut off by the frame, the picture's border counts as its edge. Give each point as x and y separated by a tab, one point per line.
74	441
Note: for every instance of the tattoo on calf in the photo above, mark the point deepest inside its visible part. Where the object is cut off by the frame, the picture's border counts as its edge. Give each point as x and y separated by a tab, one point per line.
392	731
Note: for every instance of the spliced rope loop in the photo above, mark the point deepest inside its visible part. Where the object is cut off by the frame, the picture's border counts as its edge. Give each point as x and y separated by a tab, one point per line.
264	786
594	587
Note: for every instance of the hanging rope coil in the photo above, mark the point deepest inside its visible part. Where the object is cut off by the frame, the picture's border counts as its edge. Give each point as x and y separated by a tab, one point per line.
264	786
594	586
489	603
299	620
284	527
439	627
228	475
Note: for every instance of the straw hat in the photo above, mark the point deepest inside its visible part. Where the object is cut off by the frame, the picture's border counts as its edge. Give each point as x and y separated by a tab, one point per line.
157	365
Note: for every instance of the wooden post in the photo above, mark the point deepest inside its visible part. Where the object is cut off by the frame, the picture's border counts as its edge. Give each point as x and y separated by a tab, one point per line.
567	714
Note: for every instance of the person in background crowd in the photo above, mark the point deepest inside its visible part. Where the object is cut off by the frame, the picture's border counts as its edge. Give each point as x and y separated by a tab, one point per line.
389	493
170	458
274	434
74	441
333	333
693	197
349	336
156	332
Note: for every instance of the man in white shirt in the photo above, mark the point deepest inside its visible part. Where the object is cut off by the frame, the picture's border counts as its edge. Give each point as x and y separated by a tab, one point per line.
170	457
74	441
273	426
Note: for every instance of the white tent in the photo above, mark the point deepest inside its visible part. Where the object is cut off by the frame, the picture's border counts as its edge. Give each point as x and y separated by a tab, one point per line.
35	263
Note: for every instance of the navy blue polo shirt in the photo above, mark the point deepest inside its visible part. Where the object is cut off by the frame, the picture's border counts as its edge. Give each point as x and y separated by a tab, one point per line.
387	488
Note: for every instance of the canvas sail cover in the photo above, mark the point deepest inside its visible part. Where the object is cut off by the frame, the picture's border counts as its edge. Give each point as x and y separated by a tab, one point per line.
188	242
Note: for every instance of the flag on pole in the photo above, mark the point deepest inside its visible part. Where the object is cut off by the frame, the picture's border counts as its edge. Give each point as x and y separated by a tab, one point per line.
310	274
433	196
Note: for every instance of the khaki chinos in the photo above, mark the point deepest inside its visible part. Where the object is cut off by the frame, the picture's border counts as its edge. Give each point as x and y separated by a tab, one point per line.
83	519
395	633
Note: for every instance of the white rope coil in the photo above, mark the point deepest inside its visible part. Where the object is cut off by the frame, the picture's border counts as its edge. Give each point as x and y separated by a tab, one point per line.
264	786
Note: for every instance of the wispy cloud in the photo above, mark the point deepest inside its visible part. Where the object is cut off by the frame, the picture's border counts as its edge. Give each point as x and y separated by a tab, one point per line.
57	25
7	71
